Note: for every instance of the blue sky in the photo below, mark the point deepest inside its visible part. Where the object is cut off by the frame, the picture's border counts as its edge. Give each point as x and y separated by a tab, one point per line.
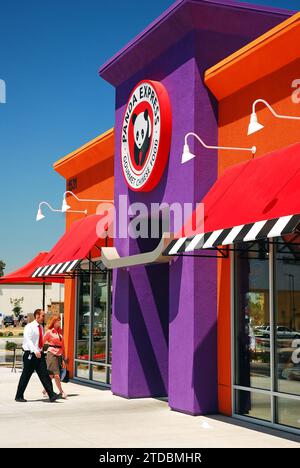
50	55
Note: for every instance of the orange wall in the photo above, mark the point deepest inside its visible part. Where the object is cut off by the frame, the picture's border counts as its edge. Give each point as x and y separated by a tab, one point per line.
234	114
92	166
94	183
235	110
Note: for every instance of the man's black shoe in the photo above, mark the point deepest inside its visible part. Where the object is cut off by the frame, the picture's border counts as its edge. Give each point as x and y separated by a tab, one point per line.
20	400
55	397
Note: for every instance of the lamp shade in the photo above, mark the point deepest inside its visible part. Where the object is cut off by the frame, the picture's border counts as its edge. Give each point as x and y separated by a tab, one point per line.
187	155
65	207
39	215
254	125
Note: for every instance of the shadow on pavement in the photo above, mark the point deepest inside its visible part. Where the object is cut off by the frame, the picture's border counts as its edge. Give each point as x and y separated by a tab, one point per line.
256	427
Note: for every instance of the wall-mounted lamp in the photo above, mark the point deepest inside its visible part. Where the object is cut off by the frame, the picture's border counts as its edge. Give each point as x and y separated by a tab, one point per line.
255	126
41	216
187	155
65	207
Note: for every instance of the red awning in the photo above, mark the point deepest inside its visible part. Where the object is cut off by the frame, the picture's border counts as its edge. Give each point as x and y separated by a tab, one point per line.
71	249
24	274
256	199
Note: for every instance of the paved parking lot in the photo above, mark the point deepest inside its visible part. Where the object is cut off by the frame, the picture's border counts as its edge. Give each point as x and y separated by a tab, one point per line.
95	418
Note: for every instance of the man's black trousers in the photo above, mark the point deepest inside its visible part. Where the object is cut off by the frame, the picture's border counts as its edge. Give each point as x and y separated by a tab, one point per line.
31	364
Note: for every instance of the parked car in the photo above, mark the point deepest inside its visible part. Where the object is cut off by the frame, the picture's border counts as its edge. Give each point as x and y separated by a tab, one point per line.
282	332
259	329
291	373
9	321
23	320
287	369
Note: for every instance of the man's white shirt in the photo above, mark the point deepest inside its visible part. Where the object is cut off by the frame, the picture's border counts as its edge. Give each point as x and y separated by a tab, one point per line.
31	337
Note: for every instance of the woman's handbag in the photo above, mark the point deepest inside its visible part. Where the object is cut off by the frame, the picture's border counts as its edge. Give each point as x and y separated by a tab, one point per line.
64	375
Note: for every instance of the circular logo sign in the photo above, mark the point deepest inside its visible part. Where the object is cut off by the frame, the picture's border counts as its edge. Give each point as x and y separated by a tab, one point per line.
146	135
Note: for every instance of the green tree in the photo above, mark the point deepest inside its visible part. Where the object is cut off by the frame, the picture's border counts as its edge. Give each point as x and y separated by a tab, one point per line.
2	267
258	308
17	305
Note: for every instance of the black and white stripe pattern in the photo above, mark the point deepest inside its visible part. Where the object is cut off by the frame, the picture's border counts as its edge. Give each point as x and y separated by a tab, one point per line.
56	269
242	233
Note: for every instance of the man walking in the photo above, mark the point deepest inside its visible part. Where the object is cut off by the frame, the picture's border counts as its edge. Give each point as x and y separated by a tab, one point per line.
34	358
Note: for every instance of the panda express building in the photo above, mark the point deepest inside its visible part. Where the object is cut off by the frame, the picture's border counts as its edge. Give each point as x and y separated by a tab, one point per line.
209	319
216	327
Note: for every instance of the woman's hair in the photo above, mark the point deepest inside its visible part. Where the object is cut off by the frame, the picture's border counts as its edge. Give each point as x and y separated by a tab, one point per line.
52	321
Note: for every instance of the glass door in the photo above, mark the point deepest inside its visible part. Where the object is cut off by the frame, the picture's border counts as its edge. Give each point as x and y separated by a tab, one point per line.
83	327
101	328
93	327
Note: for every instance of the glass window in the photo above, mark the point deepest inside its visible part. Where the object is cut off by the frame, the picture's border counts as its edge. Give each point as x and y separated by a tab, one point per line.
83	318
261	333
100	317
82	370
287	314
254	405
252	330
288	411
99	373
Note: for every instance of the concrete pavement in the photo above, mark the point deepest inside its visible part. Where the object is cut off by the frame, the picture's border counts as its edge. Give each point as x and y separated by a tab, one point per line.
95	418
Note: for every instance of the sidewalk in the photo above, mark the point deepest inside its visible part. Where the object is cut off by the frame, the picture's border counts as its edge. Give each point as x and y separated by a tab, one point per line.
96	418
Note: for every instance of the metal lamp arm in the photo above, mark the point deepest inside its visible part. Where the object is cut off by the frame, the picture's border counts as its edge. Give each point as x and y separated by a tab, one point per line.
68	192
49	206
252	150
77	211
279	116
59	211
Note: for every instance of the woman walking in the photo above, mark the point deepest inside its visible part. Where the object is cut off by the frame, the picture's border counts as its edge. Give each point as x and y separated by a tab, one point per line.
55	352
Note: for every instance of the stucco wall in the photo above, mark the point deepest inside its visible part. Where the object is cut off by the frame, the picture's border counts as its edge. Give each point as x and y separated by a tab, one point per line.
33	296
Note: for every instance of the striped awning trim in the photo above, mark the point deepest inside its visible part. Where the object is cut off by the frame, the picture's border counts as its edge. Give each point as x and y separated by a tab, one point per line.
243	233
56	269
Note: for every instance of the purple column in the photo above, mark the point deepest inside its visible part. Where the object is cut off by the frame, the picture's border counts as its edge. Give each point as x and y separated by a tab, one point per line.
142	294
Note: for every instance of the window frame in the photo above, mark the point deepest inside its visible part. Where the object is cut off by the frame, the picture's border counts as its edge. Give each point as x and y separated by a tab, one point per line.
273	393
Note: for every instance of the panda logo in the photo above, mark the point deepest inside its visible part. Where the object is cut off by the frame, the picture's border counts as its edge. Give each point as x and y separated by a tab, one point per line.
146	131
142	136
